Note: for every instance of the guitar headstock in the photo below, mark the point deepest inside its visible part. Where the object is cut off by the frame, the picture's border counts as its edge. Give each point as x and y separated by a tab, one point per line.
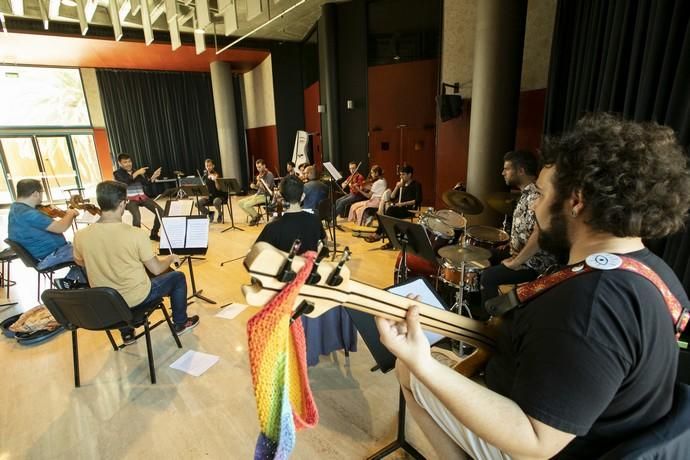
271	268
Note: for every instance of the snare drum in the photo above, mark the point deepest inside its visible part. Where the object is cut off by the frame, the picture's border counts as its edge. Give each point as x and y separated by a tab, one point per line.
450	274
455	220
487	237
440	234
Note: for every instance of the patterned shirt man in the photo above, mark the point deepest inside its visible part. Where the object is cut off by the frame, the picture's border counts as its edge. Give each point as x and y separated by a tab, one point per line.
523	225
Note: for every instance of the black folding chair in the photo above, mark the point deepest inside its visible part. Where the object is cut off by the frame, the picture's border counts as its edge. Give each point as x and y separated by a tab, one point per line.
103	309
31	262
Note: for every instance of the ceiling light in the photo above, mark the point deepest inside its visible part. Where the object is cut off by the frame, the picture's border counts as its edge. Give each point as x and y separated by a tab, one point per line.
261	26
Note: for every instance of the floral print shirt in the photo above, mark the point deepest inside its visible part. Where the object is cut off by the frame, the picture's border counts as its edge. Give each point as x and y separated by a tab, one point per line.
524	221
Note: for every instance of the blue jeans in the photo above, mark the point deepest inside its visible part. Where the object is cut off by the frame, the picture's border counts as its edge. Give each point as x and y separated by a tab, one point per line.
61	255
173	285
343	202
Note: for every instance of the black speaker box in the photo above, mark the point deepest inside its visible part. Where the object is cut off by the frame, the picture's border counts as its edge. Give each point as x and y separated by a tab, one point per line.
449	106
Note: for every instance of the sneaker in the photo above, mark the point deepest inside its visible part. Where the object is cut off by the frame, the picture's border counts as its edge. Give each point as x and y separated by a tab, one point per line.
63	283
154	237
254	221
210	215
220	218
190	324
129	337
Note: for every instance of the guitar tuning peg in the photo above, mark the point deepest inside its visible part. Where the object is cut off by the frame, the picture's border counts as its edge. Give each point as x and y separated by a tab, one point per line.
286	273
304	308
334	278
314	276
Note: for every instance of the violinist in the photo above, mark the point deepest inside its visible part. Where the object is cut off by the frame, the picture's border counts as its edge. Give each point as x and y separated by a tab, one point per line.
352	185
372	189
135	181
38	233
264	192
215	196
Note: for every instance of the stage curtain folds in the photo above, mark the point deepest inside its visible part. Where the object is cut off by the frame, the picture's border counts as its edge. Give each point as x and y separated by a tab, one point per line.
630	58
162	119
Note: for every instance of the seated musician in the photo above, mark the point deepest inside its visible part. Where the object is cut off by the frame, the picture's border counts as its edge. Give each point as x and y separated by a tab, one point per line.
39	234
301	171
314	190
374	194
135	181
406	196
351	185
290	168
527	260
117	255
215	196
264	190
333	330
591	361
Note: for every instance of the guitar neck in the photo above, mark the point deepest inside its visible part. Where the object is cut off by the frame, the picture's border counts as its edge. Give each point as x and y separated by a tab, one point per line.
369	299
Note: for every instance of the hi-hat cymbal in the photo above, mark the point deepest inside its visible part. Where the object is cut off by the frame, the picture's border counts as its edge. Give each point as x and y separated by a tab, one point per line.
503	202
463	202
458	254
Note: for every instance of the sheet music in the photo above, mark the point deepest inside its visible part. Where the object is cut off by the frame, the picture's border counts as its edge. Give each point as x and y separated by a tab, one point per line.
180	207
331	170
426	295
197	233
175	229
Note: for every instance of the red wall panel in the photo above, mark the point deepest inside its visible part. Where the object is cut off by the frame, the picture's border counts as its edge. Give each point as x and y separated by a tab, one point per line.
105	162
263	143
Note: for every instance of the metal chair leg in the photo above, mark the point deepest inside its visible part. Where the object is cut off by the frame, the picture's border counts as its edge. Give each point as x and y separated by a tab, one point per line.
112	341
170	325
75	358
149	351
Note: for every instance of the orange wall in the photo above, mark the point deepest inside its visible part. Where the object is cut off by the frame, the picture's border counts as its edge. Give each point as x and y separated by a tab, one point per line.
263	143
105	162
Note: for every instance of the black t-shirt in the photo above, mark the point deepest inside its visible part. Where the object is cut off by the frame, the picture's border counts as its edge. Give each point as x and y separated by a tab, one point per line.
411	191
594	356
283	231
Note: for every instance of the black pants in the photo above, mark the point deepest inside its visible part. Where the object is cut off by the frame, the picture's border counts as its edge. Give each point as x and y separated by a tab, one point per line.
148	203
395	211
499	274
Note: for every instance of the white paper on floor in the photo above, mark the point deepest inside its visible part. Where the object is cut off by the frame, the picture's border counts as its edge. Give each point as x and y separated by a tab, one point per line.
231	311
195	362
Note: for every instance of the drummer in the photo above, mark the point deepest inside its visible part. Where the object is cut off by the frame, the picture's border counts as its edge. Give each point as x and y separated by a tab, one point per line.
405	197
527	261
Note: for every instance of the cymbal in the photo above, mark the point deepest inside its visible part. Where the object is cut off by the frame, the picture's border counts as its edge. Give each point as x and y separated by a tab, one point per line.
458	254
178	173
463	202
503	202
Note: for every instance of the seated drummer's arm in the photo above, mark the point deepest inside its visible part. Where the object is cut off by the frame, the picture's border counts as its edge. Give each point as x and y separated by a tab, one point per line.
530	249
60	226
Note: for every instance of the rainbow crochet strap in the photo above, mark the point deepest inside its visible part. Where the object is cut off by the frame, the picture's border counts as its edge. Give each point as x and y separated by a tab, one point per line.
277	356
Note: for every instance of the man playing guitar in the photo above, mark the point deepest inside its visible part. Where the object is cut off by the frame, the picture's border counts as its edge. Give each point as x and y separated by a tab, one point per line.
592	360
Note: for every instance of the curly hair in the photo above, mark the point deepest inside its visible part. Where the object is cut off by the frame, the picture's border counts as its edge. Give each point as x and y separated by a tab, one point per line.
633	177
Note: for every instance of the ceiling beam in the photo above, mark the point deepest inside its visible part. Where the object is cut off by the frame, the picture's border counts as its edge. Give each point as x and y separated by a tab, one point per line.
146	21
17	7
83	23
114	12
44	13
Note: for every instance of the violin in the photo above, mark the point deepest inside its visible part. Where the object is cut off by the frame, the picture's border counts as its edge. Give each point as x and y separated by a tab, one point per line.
51	211
77	202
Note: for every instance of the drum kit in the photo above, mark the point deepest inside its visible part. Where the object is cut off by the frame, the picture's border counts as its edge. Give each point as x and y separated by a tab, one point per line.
463	252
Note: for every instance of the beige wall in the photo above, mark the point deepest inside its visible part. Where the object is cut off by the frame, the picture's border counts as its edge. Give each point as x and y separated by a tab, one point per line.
258	89
93	97
458	43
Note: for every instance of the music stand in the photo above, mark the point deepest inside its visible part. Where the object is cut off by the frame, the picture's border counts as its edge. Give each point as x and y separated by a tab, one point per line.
335	176
231	187
196	190
405	236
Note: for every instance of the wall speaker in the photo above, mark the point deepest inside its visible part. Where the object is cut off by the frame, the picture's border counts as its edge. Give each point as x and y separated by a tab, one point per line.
449	106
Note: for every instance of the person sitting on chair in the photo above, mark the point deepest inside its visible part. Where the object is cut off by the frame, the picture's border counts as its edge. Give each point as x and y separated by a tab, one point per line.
40	235
374	194
590	361
314	190
406	196
527	260
290	168
264	191
135	181
351	186
117	255
215	196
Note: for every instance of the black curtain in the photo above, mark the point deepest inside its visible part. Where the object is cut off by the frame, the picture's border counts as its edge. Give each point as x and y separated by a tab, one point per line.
631	58
162	119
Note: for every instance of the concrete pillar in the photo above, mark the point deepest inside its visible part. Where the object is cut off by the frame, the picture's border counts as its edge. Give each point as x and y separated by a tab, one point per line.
499	41
328	83
226	119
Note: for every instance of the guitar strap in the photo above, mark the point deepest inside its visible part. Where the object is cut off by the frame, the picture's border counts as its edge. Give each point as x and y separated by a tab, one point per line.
524	293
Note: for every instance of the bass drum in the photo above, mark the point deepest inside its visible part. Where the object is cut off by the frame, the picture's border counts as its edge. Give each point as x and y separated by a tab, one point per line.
455	220
440	234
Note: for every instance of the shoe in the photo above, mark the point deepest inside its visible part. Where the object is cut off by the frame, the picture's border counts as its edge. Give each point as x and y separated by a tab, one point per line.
129	337
373	238
63	283
211	214
220	218
254	221
154	237
190	324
